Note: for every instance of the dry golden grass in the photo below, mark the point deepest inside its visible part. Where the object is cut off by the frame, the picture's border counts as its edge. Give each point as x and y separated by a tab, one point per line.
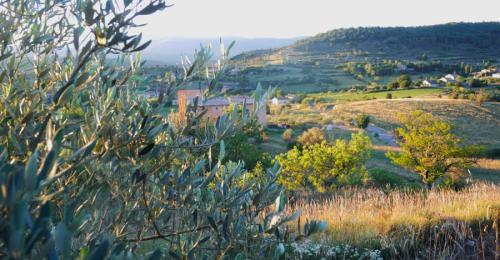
373	218
490	164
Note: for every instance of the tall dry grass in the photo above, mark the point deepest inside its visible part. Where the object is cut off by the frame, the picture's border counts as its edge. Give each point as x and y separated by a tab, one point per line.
435	224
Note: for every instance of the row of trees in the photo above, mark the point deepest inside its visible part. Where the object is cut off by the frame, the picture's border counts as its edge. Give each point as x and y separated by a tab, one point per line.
374	70
403	81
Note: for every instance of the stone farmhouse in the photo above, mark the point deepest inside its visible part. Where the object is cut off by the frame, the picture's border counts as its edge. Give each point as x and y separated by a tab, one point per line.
217	106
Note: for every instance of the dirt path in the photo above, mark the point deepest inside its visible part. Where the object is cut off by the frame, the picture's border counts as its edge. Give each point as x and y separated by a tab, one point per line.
383	134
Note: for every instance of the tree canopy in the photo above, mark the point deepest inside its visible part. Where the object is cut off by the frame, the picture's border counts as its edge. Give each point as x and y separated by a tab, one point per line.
429	147
322	166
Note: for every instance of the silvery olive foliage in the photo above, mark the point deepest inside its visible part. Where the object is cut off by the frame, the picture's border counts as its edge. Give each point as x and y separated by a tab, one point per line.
88	170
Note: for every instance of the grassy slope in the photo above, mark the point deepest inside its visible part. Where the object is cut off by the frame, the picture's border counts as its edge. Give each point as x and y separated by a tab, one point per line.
474	125
319	56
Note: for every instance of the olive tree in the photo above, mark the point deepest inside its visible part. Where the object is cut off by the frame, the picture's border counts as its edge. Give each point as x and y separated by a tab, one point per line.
89	170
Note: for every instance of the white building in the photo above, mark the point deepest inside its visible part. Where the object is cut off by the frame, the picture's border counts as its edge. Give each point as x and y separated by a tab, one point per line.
496	75
448	78
292	97
401	67
280	101
429	83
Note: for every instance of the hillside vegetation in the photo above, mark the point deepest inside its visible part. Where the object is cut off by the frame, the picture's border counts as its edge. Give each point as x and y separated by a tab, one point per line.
473	124
452	42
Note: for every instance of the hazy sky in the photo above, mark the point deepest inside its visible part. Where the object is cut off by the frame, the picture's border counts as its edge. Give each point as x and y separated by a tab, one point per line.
290	18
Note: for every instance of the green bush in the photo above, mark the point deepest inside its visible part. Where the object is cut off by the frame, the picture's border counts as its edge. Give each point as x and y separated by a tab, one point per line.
477	83
382	178
322	167
418	138
362	121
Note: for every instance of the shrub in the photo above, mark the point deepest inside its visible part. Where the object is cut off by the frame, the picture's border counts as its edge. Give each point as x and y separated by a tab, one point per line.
477	83
321	167
311	136
382	178
292	144
481	96
388	96
362	121
288	135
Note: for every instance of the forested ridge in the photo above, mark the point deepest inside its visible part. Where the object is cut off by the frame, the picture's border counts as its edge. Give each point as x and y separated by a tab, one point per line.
475	41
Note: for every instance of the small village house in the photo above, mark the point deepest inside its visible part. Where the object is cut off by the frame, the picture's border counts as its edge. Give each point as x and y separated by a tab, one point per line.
293	98
429	83
217	106
485	73
448	78
401	67
280	101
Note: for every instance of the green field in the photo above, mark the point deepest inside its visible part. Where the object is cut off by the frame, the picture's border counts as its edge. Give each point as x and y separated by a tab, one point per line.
357	96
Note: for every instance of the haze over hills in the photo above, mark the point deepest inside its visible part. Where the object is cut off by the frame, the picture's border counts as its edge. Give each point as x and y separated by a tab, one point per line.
169	51
469	42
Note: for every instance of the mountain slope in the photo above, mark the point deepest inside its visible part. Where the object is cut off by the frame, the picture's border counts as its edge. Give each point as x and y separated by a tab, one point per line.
169	51
447	42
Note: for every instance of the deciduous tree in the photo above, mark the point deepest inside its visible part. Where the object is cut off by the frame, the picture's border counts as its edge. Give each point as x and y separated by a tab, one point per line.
321	166
429	147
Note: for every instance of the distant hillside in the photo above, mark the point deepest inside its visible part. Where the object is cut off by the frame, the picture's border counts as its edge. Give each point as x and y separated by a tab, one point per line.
470	42
169	51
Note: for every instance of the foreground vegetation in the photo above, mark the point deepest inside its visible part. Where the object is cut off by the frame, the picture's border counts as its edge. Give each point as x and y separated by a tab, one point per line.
88	170
440	224
91	170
